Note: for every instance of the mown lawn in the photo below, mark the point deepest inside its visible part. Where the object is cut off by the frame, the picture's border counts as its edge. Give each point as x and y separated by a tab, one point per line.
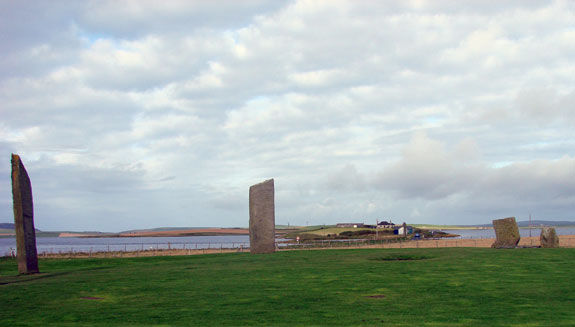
392	287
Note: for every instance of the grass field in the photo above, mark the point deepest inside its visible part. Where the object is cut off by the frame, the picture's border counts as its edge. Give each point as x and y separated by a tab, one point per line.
392	287
334	230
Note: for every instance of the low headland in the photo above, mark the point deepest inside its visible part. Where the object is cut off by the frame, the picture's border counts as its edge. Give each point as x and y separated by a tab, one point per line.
318	232
164	233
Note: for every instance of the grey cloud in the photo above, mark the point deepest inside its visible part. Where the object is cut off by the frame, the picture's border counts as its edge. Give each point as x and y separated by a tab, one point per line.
546	106
36	36
427	170
325	97
347	178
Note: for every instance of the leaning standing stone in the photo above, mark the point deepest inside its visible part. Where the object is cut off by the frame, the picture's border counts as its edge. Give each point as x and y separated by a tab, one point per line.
24	218
262	217
506	233
549	238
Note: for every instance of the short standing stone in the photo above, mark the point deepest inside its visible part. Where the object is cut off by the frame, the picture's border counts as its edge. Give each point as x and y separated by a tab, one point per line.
506	233
549	238
24	218
262	217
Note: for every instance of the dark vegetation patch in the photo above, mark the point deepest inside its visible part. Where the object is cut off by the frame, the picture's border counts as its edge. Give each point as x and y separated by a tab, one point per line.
376	296
91	298
427	233
403	257
350	233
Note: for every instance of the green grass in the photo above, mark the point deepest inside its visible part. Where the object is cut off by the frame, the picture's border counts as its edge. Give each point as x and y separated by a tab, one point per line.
391	287
334	230
430	226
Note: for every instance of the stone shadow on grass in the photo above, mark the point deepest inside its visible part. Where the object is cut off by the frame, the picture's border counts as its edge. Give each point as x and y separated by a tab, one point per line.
16	279
403	257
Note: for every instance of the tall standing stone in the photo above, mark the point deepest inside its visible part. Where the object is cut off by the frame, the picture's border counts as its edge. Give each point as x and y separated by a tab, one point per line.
262	217
549	238
24	218
506	233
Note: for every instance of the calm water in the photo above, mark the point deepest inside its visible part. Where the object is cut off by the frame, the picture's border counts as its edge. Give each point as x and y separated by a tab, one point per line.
69	244
490	233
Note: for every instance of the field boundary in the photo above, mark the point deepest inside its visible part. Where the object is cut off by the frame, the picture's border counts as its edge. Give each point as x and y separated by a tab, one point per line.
565	241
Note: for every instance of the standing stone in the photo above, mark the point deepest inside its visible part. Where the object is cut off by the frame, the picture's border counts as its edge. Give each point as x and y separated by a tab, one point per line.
404	226
262	217
549	238
24	218
506	233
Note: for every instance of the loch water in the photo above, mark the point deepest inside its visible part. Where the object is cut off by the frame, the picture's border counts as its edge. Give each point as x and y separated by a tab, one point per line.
106	244
81	244
490	233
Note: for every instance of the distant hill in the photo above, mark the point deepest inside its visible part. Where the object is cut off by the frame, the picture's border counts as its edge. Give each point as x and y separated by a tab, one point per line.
162	229
546	223
11	226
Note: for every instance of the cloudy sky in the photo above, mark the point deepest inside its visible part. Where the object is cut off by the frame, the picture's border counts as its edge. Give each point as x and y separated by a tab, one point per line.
136	114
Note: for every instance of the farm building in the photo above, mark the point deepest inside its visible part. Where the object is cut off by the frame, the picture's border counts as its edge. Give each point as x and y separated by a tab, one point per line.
398	230
385	224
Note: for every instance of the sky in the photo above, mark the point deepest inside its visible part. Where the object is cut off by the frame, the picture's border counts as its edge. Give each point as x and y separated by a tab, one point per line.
139	114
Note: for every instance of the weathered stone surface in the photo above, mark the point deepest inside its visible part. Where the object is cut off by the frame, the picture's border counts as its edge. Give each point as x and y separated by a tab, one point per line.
549	238
262	217
24	218
506	233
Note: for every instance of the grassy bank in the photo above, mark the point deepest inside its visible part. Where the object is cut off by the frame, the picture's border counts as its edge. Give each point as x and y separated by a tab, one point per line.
393	287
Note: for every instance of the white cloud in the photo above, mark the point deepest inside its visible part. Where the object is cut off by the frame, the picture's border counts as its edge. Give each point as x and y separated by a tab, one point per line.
436	111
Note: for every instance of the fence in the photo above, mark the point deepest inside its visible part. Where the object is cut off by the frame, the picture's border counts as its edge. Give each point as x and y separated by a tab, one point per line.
121	249
169	248
567	241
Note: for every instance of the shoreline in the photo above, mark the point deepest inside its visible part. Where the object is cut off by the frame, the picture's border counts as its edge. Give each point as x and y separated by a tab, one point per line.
434	227
565	241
